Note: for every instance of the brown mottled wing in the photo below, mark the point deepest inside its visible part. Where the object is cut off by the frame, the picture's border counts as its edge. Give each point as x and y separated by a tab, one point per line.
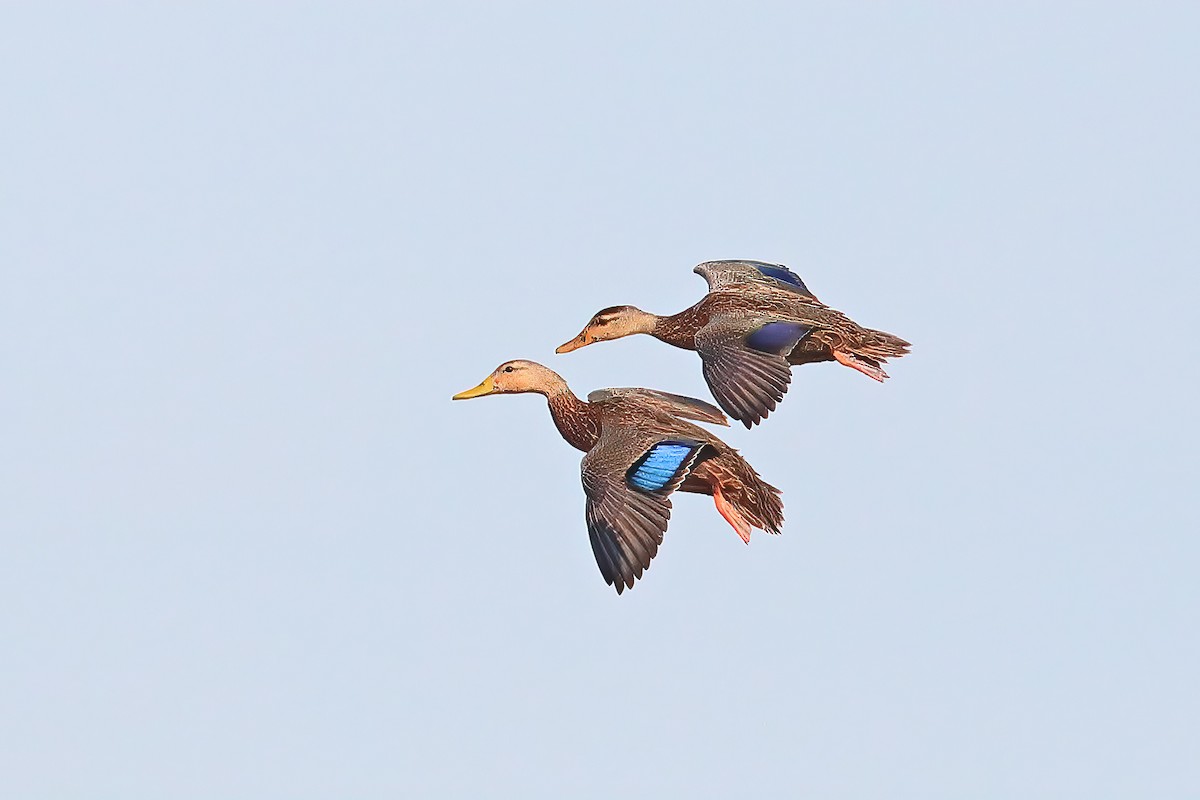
748	383
675	404
626	523
720	274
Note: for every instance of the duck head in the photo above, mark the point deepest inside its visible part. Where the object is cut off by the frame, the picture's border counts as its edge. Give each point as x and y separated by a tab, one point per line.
611	323
516	377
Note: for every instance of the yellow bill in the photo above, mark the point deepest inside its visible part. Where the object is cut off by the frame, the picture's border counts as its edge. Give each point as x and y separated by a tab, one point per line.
485	388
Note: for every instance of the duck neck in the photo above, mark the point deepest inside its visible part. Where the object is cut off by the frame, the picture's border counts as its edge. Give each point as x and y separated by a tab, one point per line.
642	321
576	420
680	329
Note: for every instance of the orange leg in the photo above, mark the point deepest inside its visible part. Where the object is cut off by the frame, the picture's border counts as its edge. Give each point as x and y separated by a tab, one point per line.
732	515
865	366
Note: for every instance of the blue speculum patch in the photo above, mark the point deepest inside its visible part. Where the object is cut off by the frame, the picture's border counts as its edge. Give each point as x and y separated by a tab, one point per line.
659	466
782	274
774	337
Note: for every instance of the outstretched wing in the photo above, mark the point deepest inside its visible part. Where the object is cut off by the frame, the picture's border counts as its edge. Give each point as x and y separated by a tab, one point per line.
628	477
746	366
674	404
726	273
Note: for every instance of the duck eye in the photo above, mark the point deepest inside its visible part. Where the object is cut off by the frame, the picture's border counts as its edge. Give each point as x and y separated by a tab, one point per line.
508	368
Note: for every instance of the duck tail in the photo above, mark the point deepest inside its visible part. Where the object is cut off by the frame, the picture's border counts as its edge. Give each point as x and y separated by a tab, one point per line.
869	350
881	345
740	493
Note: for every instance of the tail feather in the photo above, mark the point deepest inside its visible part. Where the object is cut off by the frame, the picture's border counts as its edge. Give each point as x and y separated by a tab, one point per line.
756	500
868	350
762	506
880	345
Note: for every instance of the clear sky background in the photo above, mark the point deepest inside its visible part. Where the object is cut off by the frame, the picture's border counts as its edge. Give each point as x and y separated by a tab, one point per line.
250	549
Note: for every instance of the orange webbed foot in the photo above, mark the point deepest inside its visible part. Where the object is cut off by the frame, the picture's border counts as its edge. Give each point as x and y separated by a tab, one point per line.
866	366
732	515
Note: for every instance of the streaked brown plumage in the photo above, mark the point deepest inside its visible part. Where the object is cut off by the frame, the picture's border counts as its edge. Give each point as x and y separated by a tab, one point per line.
639	448
756	322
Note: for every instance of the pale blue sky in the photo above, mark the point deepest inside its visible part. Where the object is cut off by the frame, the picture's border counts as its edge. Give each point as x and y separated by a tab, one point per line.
252	550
